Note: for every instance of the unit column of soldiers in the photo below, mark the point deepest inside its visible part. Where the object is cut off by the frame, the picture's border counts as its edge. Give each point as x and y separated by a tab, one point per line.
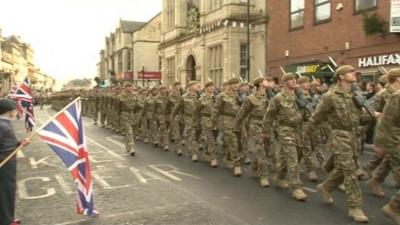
276	131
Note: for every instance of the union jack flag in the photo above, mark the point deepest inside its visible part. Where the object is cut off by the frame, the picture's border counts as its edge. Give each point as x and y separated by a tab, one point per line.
23	93
65	136
13	92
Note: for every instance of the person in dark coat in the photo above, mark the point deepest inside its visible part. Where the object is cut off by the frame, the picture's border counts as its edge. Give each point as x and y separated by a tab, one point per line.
8	172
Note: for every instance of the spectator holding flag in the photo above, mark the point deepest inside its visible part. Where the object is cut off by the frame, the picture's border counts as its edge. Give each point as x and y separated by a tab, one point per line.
8	171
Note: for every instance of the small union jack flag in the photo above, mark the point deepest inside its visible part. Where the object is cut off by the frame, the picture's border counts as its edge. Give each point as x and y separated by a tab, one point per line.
23	93
65	136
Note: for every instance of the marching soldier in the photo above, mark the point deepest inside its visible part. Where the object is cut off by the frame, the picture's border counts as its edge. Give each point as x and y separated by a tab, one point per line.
305	144
387	140
379	166
205	110
344	118
161	113
94	104
226	109
244	91
284	109
176	126
186	106
253	110
149	109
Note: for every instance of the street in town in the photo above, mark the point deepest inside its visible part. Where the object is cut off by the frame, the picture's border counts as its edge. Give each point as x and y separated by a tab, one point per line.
158	187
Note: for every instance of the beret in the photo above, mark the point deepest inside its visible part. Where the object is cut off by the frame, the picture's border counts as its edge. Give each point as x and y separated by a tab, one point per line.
7	105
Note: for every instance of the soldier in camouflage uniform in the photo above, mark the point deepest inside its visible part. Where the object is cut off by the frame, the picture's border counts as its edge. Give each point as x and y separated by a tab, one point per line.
253	110
108	105
344	117
176	127
379	166
186	106
226	109
162	113
306	144
244	91
94	101
138	115
103	107
387	140
284	109
148	110
205	110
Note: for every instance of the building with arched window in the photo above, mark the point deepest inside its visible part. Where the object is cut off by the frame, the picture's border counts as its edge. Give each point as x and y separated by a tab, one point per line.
203	39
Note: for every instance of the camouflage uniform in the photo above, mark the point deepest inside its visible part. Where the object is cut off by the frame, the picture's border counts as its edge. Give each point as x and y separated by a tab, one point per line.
344	117
284	110
380	163
129	105
148	110
226	109
205	110
176	126
186	106
253	109
388	138
94	105
102	107
161	113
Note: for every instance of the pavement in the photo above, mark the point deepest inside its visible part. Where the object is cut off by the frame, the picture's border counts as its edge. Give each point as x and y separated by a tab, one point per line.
158	187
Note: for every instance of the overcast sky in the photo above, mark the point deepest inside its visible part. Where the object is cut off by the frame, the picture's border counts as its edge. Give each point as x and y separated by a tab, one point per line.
67	35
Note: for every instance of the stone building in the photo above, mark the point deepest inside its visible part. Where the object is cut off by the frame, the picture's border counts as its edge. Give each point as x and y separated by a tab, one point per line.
130	49
204	39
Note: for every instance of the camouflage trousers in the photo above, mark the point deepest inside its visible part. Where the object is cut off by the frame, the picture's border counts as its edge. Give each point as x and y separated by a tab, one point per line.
94	111
162	134
126	122
382	171
305	151
394	160
103	116
244	142
318	145
175	133
231	147
209	141
274	150
260	163
288	138
191	135
342	145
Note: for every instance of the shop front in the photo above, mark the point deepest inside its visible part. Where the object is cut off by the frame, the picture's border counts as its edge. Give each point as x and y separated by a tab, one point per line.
316	70
373	66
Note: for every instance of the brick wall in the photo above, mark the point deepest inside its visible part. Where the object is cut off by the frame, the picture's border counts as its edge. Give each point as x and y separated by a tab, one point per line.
322	40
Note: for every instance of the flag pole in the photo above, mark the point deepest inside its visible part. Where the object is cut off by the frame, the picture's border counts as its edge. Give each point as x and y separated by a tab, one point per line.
32	134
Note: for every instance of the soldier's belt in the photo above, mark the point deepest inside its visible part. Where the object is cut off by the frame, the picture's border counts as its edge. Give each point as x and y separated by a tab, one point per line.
288	125
350	129
188	114
229	114
257	117
208	115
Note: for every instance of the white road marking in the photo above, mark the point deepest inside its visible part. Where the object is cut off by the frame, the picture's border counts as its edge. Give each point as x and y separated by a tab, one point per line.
23	192
115	142
20	154
63	184
171	171
105	148
35	163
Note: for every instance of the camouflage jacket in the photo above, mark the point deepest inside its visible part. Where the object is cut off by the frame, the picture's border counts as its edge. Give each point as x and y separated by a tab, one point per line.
226	109
380	99
284	110
149	107
253	107
340	111
186	106
205	111
161	106
387	133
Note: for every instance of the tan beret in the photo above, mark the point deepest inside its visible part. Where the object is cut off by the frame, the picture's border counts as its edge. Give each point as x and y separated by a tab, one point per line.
393	73
383	79
258	80
234	80
208	84
303	79
192	82
341	70
288	76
